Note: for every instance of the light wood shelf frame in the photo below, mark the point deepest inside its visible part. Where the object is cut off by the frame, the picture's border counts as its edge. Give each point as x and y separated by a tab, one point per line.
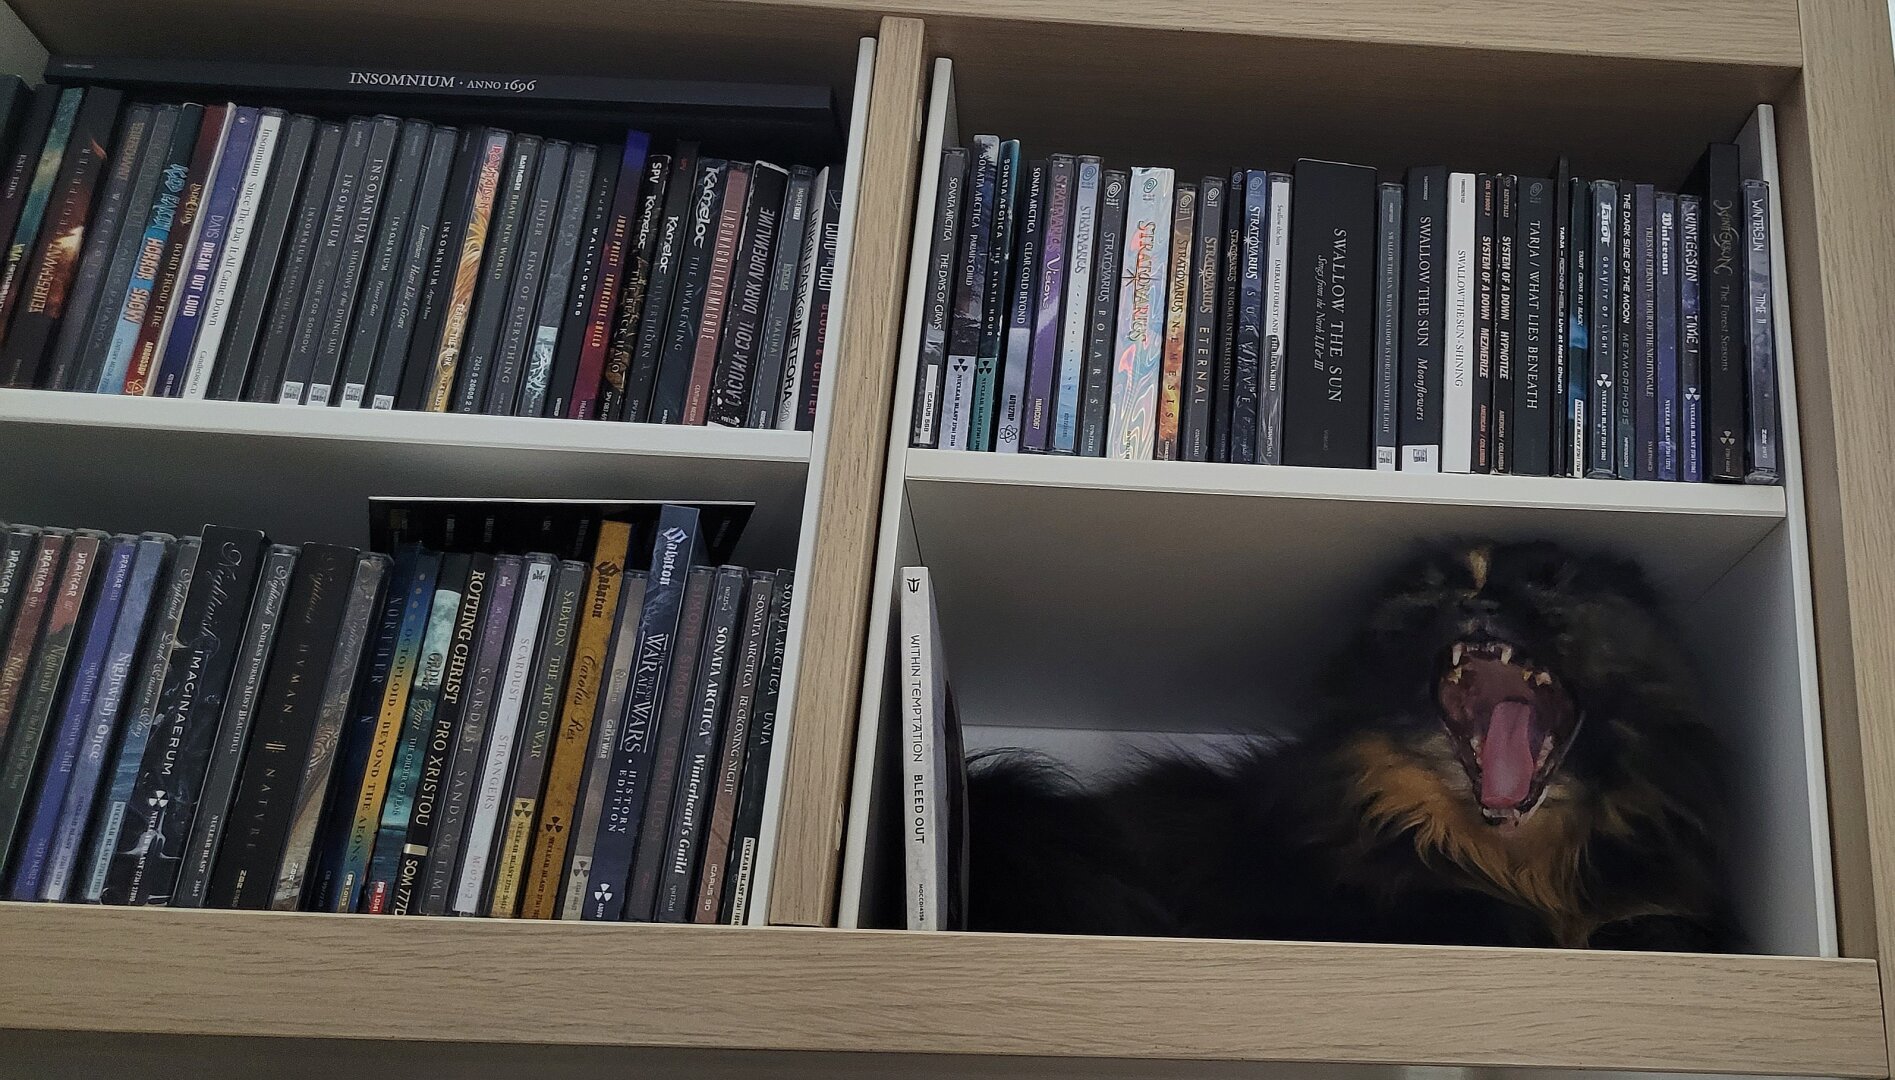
212	973
837	587
230	978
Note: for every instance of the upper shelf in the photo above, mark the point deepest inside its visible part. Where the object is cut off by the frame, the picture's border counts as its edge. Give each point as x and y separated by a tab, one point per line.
382	427
215	973
1347	485
144	463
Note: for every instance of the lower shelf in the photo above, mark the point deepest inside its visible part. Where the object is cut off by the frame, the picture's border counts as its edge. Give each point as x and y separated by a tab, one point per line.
222	974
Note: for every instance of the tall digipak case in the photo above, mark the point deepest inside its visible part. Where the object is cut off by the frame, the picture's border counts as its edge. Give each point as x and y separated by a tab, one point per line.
1761	465
257	832
1330	356
158	814
43	298
749	283
1722	299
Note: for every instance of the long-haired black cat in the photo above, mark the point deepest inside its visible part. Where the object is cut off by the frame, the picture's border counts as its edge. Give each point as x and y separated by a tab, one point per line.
1510	753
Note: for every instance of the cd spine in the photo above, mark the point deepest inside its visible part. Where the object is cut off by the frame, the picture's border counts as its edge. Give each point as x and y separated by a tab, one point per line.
1248	434
1184	208
1273	383
1761	459
993	308
1067	380
1690	339
735	378
1665	281
1644	333
733	205
1486	264
970	292
1141	330
1603	406
1011	423
1207	264
1388	307
931	363
295	875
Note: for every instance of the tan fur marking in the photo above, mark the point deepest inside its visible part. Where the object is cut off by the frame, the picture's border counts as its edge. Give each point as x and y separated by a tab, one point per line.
1536	866
1479	561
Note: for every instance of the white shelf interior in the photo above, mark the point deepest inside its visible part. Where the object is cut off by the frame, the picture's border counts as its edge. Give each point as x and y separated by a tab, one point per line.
140	463
1094	607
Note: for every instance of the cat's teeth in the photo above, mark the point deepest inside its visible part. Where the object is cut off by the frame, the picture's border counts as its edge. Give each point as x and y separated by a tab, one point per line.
1454	675
1506	654
1546	750
1459	648
1544	678
1525	675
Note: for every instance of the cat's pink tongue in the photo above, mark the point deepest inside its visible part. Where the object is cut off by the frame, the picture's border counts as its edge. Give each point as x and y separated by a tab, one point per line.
1506	756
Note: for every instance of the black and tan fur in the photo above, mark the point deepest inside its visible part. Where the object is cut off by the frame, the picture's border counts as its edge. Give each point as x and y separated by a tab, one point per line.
1372	828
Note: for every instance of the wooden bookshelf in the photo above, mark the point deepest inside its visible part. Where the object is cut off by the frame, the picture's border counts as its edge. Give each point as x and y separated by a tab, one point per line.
206	973
1626	88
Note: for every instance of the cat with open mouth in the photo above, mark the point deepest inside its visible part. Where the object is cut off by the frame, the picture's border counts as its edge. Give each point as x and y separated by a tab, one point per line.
1509	753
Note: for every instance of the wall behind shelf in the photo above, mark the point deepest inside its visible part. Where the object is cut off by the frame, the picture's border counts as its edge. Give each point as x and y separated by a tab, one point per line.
20	52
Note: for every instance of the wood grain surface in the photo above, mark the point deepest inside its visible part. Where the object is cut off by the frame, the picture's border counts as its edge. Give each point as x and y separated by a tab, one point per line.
1846	104
861	380
1749	32
72	968
53	1055
1742	31
1822	498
